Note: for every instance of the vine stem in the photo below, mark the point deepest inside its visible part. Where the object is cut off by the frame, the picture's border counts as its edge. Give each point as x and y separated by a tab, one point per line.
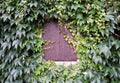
116	35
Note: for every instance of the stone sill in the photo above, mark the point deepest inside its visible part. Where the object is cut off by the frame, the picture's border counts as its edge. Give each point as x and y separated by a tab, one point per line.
66	63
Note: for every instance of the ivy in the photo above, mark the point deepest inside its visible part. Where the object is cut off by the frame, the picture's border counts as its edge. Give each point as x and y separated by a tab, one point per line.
94	24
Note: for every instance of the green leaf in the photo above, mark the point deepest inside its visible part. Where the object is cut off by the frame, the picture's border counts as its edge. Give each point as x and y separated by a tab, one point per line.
33	4
75	7
17	43
20	33
5	17
114	72
30	35
1	53
14	73
79	16
78	80
6	45
60	80
108	17
105	50
69	81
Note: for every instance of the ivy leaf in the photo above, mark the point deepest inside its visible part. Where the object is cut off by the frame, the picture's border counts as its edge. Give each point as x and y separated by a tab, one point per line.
97	59
2	66
111	29
37	71
33	4
5	17
11	55
108	17
8	37
117	44
60	80
69	81
114	72
15	21
79	16
1	53
17	62
14	73
5	45
78	80
75	7
30	35
17	43
20	33
118	53
30	19
96	80
105	50
9	8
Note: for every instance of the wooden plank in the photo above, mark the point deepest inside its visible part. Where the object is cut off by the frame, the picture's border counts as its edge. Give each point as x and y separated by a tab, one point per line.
57	49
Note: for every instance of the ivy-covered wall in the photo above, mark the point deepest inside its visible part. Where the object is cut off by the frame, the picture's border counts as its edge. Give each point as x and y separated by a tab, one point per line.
94	24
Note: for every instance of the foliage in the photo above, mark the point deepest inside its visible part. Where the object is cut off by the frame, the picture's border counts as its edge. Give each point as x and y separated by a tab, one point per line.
94	24
109	50
18	42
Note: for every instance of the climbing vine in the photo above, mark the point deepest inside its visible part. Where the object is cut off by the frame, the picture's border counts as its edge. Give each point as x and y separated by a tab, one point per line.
95	27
